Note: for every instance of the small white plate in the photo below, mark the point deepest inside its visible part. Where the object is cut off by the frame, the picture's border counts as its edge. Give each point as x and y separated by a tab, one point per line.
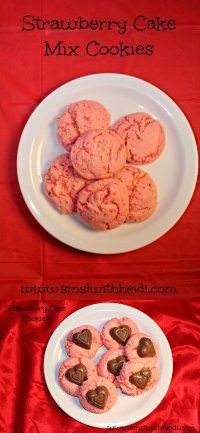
174	172
128	409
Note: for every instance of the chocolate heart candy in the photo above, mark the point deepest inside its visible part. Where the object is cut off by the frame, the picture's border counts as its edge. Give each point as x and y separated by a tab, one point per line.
76	374
141	378
121	334
145	348
83	338
98	396
114	365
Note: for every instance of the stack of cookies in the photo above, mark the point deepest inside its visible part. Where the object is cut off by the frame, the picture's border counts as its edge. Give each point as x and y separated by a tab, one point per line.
128	364
97	177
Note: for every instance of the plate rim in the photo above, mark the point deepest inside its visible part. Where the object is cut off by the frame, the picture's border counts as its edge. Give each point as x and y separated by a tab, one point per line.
45	224
107	306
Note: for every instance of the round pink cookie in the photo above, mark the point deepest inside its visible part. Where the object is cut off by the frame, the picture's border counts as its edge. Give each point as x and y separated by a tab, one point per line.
98	154
62	184
108	340
75	350
110	365
80	117
142	193
77	375
139	350
104	204
144	378
104	399
143	135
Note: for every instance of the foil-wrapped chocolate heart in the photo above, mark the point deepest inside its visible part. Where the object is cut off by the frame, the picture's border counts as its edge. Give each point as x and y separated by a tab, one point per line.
83	338
98	396
141	378
76	374
145	348
115	365
121	334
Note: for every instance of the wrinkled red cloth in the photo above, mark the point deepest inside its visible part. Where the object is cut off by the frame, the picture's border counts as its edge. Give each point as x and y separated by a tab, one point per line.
26	404
31	256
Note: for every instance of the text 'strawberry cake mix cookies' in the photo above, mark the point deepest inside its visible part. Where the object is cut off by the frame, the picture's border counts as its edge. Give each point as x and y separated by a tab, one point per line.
98	395
83	341
116	333
135	378
98	154
104	204
143	135
74	371
142	193
111	364
142	348
80	117
62	184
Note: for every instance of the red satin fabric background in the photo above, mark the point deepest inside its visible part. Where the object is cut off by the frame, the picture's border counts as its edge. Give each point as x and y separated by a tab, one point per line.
26	404
29	255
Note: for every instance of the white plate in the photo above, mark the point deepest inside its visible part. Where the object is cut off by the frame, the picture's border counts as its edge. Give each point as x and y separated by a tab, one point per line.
127	409
174	172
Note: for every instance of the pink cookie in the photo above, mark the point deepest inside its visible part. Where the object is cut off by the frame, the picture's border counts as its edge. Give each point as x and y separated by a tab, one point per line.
143	135
80	117
62	184
98	154
136	378
110	365
142	193
74	371
83	341
104	204
98	395
126	328
142	348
